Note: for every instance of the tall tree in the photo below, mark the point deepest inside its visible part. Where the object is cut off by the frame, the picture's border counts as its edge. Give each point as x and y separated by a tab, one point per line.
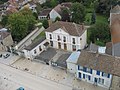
99	33
78	12
65	14
21	23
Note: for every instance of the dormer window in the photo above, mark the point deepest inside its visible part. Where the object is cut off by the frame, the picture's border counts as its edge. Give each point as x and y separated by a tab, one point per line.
58	38
73	40
50	36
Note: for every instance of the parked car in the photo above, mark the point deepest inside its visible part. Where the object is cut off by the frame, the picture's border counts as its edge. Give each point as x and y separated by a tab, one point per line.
20	88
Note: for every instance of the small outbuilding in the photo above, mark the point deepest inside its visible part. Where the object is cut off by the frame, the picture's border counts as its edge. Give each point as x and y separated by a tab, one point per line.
71	61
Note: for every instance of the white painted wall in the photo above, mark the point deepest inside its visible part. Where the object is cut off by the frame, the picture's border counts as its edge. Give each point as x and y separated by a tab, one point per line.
31	54
54	14
80	44
107	81
71	67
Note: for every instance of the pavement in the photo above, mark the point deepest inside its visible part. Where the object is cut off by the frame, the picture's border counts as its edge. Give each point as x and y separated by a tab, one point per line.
10	59
54	74
30	80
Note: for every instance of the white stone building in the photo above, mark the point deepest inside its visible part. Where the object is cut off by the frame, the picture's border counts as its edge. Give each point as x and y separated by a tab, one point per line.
66	35
72	61
57	11
35	48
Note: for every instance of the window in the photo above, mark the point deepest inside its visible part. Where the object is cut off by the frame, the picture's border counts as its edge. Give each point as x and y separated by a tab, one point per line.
89	70
58	38
64	39
40	48
35	51
105	75
101	81
74	47
84	76
80	68
50	36
98	72
84	69
73	40
51	43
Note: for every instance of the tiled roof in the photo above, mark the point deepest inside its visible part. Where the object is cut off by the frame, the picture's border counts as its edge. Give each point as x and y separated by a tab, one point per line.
59	7
70	28
4	34
33	45
116	9
45	12
102	62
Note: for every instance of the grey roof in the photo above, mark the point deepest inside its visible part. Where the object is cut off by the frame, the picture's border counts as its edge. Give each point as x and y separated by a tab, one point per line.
92	47
46	55
45	12
102	62
116	49
62	60
34	44
109	48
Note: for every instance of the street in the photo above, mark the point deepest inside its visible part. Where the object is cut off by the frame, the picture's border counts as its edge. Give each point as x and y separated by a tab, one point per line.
29	80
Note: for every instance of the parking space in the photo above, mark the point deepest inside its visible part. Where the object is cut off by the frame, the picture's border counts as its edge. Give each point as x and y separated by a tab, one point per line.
8	58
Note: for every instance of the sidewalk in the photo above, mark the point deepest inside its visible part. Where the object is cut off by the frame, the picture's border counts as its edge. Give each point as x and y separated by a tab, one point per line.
54	74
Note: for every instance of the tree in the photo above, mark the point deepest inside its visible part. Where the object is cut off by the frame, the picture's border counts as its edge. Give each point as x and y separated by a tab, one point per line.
4	20
65	15
21	23
57	19
93	18
45	23
78	12
53	3
99	34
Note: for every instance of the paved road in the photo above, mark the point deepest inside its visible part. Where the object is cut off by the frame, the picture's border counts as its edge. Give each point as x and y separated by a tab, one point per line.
29	80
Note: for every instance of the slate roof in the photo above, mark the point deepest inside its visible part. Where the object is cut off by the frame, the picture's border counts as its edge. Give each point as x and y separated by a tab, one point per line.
36	43
102	62
70	28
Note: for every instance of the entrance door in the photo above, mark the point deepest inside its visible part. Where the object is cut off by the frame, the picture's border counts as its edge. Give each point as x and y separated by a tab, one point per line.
59	45
79	75
65	46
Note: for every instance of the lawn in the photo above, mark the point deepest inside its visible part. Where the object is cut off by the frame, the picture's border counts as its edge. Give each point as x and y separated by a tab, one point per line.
42	34
99	19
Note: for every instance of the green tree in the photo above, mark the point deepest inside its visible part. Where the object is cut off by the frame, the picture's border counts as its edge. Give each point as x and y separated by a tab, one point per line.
93	18
99	33
53	3
21	23
57	19
45	23
78	12
65	14
4	20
